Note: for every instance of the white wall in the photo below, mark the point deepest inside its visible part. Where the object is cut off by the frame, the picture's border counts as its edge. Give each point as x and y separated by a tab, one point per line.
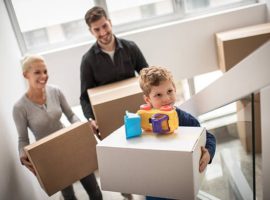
268	9
187	48
265	113
15	181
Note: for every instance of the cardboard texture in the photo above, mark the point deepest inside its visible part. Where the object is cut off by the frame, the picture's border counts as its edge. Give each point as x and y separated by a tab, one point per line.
63	157
155	165
234	45
110	102
244	123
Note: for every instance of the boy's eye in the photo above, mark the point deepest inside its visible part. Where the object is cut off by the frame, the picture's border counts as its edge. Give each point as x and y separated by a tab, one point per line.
170	91
158	95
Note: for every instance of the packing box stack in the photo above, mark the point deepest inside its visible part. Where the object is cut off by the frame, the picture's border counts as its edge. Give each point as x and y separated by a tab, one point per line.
234	45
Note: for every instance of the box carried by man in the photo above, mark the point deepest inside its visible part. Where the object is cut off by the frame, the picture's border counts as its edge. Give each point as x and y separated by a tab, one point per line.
110	103
63	157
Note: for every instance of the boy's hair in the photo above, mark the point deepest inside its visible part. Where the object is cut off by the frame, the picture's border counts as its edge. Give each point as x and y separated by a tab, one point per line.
29	60
153	76
94	14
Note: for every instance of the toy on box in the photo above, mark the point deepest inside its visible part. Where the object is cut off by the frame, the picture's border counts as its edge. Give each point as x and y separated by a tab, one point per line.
161	121
132	125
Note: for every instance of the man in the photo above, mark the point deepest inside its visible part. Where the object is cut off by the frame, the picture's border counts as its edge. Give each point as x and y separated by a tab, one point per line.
109	60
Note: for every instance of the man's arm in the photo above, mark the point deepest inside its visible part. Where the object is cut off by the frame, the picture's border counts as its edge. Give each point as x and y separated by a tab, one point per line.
140	60
86	83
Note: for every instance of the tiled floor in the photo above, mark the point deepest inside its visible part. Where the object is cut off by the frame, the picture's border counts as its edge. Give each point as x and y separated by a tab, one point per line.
81	194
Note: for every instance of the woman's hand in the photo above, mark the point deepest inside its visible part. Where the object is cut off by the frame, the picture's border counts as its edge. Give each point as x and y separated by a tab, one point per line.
94	127
25	161
205	158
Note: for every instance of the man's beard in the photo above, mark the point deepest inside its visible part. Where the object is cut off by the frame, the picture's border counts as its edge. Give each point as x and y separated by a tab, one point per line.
107	41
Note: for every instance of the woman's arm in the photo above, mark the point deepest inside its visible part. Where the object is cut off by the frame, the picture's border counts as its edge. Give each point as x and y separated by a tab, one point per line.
20	119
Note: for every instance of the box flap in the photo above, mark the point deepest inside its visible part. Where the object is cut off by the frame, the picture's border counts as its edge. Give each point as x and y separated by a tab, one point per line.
114	91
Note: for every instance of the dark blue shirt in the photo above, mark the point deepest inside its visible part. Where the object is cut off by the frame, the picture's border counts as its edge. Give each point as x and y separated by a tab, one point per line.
97	68
186	119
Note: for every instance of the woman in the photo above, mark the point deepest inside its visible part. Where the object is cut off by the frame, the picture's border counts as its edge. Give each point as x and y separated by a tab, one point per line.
40	110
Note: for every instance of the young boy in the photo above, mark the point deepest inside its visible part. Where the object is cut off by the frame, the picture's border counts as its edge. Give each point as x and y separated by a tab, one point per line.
159	90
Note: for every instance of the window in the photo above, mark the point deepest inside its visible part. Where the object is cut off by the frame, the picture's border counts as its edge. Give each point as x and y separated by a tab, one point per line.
47	24
138	10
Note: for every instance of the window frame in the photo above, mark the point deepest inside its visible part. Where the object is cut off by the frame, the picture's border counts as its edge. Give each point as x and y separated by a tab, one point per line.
179	13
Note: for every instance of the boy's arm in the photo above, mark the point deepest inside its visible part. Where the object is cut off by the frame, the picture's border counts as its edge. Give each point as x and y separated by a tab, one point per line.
210	145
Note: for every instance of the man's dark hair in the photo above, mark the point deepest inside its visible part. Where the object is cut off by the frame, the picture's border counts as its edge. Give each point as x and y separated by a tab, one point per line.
94	14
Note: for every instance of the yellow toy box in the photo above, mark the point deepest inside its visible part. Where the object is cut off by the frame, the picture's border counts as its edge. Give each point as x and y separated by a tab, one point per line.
163	120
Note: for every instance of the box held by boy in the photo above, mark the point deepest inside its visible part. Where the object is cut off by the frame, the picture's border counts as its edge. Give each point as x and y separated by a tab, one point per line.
154	165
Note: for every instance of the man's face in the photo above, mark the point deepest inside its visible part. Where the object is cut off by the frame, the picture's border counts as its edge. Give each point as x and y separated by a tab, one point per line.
161	95
102	30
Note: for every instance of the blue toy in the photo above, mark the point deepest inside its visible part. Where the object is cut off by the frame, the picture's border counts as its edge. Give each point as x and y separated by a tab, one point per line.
132	125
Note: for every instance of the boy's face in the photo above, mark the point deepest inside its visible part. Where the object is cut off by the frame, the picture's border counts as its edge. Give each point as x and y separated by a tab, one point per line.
161	95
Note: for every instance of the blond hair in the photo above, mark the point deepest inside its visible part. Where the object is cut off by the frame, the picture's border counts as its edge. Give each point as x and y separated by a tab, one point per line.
153	76
29	60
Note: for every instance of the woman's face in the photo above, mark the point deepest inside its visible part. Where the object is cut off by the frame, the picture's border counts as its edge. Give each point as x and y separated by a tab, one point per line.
37	75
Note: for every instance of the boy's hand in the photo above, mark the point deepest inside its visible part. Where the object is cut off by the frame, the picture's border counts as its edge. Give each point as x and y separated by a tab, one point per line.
205	158
25	161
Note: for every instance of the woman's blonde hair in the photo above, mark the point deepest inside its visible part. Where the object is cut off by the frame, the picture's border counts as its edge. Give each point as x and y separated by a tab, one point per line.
29	60
153	76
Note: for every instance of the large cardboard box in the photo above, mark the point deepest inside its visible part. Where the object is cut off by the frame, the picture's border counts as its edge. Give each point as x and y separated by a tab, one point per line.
110	102
155	165
244	123
63	157
234	45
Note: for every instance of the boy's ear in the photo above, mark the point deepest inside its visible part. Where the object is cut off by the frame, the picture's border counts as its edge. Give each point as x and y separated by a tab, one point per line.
146	99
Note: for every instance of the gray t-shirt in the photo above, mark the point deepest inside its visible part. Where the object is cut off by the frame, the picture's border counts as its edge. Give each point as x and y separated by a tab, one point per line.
42	120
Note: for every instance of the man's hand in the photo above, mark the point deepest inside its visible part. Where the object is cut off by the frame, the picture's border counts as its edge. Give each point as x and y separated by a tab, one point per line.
94	127
25	161
205	158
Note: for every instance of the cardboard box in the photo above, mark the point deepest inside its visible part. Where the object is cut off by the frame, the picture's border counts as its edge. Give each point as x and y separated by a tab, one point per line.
110	102
155	165
244	123
234	45
63	157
